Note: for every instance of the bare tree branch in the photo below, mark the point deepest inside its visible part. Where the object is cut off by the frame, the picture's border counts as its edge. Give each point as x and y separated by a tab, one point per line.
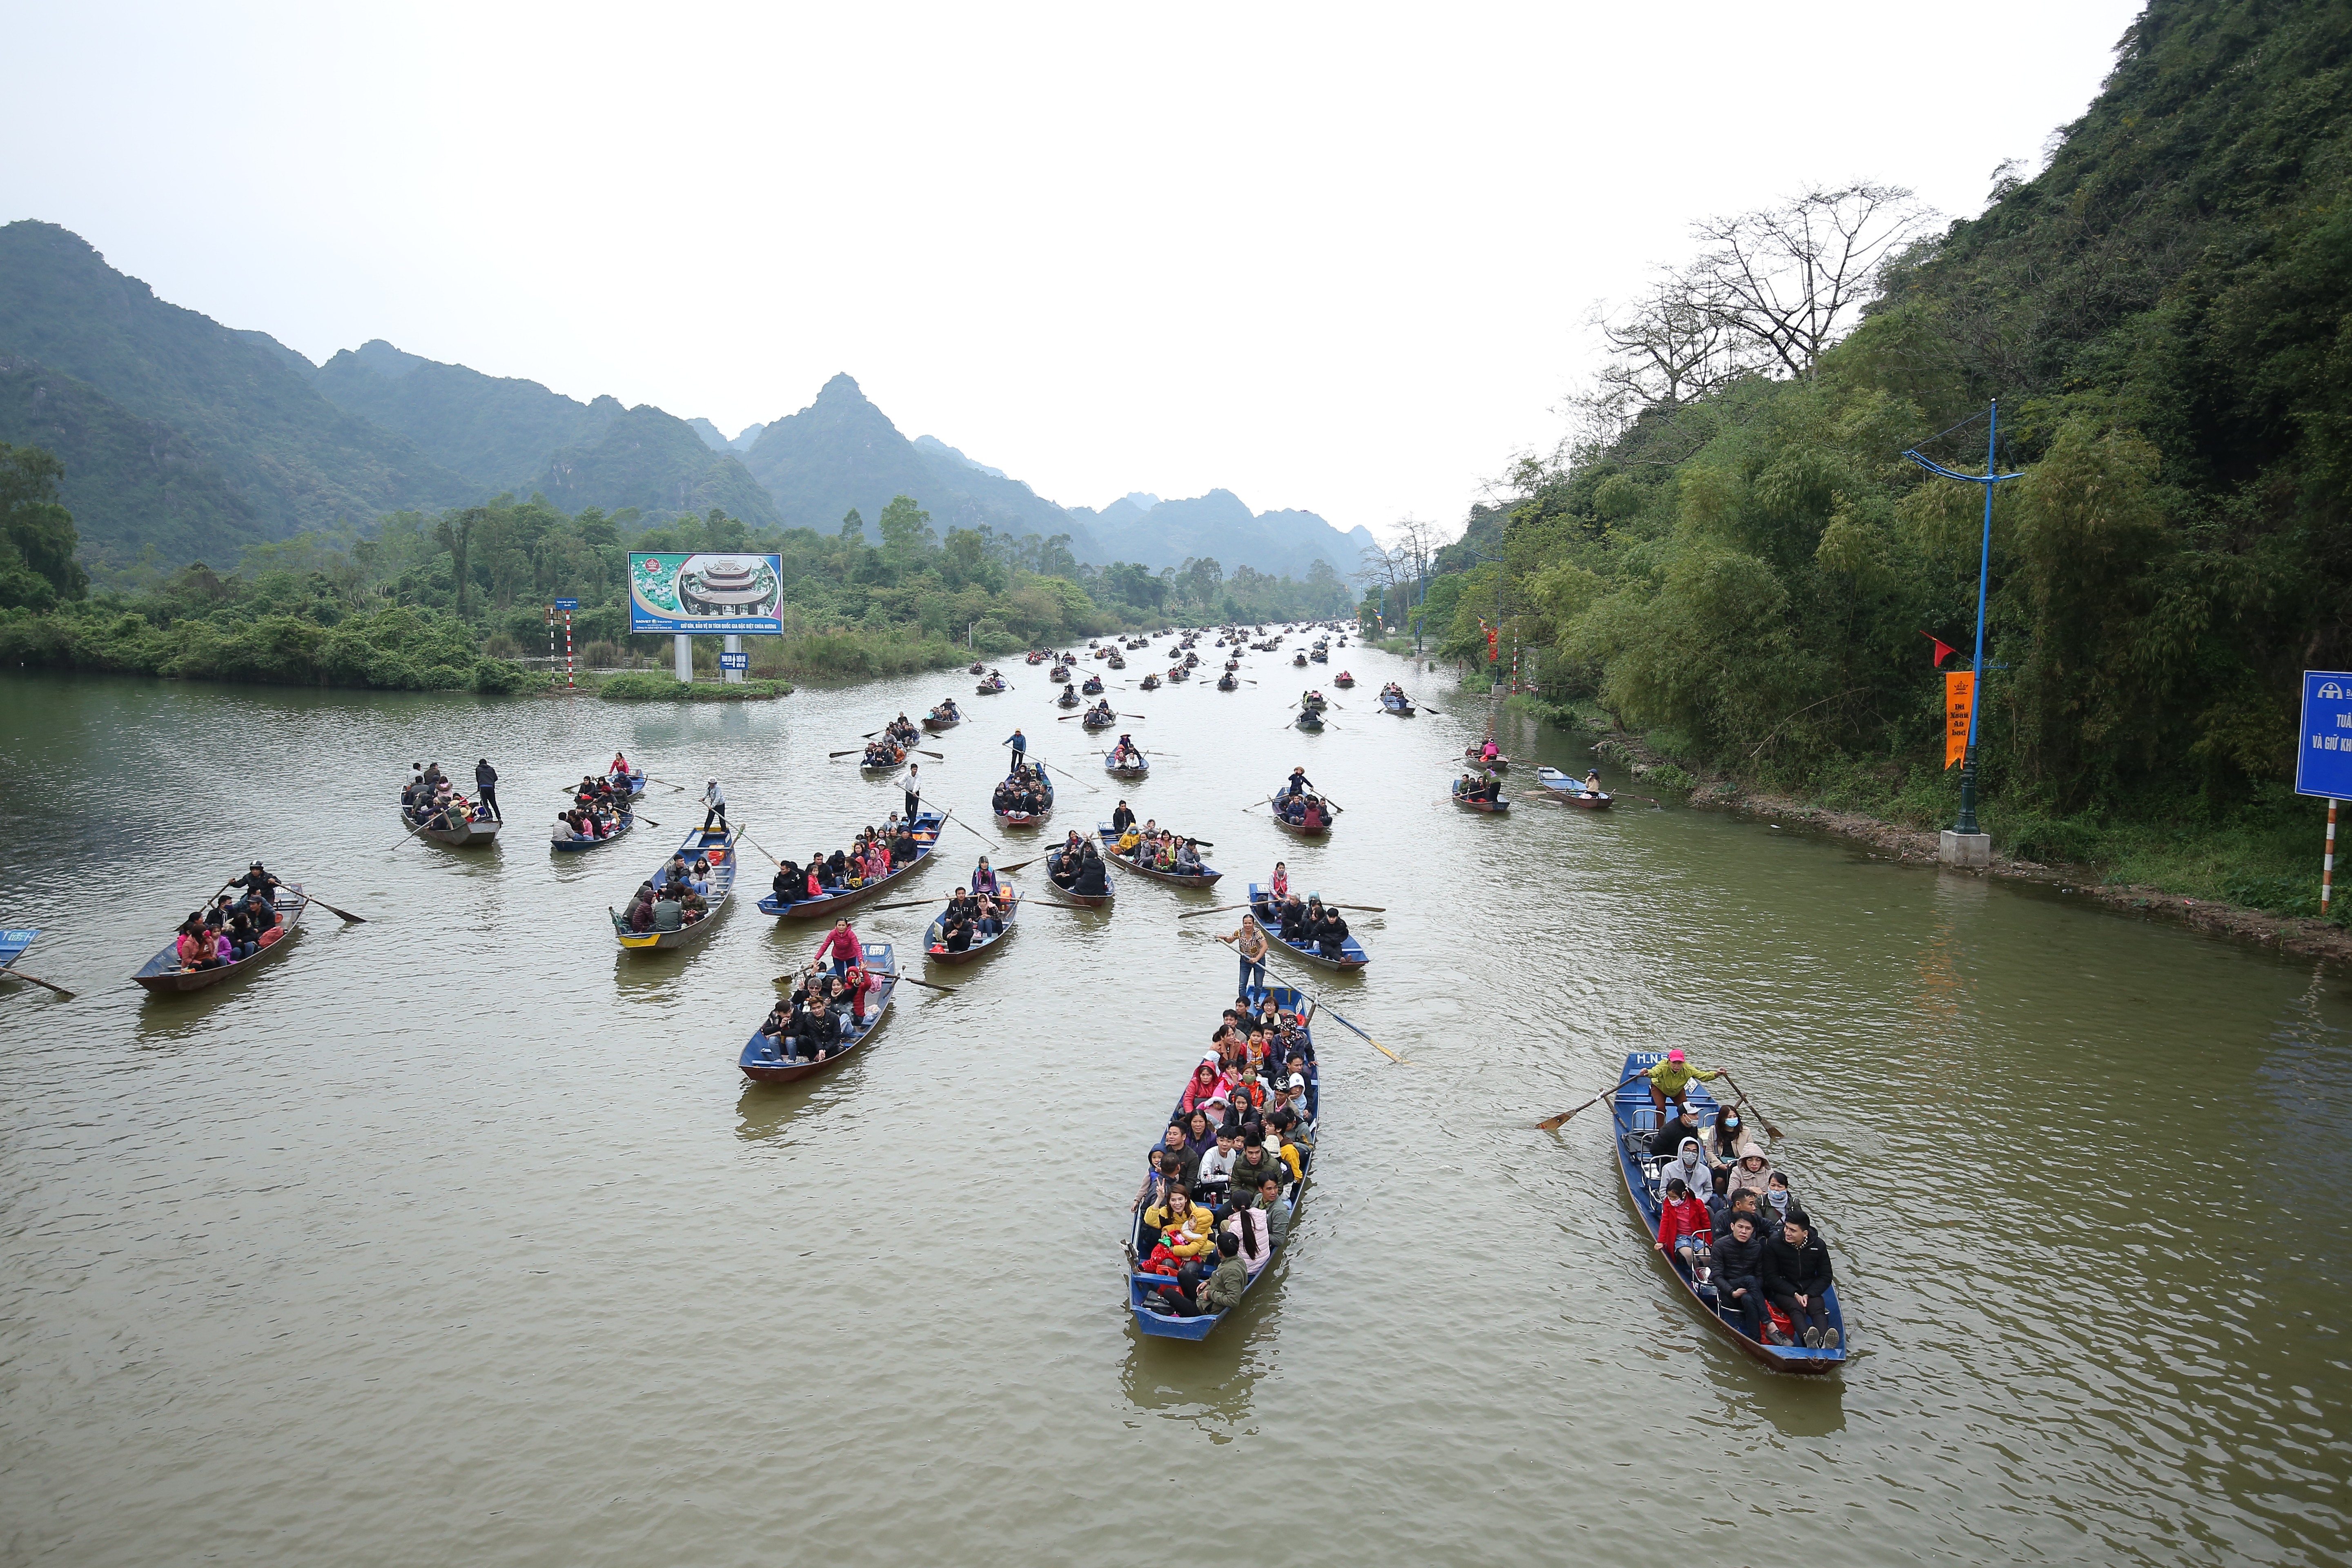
1790	279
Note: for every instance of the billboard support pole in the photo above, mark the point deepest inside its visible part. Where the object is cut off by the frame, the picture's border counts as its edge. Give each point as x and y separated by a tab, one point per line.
734	645
684	661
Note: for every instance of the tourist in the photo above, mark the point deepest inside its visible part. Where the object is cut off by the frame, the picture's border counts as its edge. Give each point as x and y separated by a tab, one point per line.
669	915
1689	1166
1797	1278
1751	1173
1204	1084
564	832
1276	1210
1725	1140
1739	1272
1330	934
1683	1223
1221	1292
1253	1240
1217	1166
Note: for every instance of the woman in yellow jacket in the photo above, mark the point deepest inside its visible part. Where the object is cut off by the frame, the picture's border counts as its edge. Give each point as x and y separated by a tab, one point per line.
1183	1226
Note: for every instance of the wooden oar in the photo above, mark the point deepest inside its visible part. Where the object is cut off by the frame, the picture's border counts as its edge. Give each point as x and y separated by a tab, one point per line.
852	751
755	844
1221	908
1552	1123
10	972
1367	909
1018	866
414	832
681	788
906	904
353	920
942	757
1769	1130
795	979
976	833
1322	1006
1071	776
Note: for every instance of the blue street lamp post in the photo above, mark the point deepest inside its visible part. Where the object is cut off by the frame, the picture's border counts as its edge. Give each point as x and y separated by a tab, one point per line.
1967	825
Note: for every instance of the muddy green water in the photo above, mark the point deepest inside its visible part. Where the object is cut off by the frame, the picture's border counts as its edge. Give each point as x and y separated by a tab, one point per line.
451	1238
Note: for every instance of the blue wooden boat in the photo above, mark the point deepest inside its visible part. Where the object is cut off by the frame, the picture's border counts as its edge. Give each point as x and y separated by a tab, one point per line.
162	971
1570	789
1207	878
14	944
935	946
627	824
1396	702
1636	1121
1028	819
1139	769
763	1061
1140	1302
718	844
924	830
1261	906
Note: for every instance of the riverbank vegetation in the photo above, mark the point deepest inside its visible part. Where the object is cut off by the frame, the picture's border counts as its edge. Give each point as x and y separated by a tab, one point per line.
1734	557
456	600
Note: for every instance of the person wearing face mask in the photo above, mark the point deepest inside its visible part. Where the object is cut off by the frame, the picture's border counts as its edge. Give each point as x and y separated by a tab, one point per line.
1751	1172
1778	1201
1689	1167
1672	1131
1726	1139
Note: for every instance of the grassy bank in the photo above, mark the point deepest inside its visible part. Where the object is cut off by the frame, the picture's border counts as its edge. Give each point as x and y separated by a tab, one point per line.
646	686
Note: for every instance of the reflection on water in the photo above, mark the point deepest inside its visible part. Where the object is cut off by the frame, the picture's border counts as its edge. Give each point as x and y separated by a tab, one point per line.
466	1203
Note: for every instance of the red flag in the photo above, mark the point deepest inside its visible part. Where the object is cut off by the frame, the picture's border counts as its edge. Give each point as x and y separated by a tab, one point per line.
1944	650
1491	655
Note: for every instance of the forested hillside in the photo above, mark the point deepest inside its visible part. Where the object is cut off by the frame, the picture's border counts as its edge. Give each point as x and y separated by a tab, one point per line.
1742	561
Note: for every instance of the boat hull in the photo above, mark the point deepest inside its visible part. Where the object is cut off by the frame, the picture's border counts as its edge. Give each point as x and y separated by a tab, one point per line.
925	832
1635	1121
938	951
1207	878
718	843
1353	953
761	1063
162	974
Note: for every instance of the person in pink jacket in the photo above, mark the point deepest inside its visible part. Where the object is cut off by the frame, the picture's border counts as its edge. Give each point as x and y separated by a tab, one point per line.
841	948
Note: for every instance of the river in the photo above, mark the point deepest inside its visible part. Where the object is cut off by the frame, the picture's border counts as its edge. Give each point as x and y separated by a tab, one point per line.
451	1238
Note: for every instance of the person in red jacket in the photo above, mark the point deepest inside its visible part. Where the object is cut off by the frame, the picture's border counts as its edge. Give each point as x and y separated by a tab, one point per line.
842	948
1684	1223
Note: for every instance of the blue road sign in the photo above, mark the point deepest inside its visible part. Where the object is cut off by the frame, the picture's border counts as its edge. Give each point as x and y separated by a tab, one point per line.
567	603
734	662
2322	756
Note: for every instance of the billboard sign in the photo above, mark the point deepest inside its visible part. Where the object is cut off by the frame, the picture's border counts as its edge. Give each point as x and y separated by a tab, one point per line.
734	662
716	590
2322	755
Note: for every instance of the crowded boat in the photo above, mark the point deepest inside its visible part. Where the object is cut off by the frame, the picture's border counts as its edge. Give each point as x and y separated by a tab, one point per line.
1225	1175
875	853
1022	796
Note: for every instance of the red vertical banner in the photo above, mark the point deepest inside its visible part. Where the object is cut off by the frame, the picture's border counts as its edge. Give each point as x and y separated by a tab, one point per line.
1959	701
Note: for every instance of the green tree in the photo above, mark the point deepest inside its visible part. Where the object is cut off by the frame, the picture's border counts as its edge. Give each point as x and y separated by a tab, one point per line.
852	525
37	535
908	541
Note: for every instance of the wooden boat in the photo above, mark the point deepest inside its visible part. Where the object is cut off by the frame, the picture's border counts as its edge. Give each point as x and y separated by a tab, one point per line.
924	830
1226	682
1294	829
761	1060
938	951
1569	789
1028	819
1117	662
718	843
1319	657
1208	876
1139	769
1636	1121
1343	680
1094	722
1093	688
1310	721
1476	757
1035	656
1299	659
976	668
1396	702
465	836
1353	955
162	971
990	687
621	830
1150	683
1496	807
1180	673
1092	900
934	720
14	945
898	759
1142	1303
1068	698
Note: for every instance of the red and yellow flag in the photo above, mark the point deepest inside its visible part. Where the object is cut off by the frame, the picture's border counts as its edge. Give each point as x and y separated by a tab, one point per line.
1959	699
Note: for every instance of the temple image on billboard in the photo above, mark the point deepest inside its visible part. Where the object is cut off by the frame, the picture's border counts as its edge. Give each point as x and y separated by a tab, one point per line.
723	587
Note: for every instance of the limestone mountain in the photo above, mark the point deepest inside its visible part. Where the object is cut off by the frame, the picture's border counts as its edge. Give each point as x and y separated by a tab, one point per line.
497	431
280	456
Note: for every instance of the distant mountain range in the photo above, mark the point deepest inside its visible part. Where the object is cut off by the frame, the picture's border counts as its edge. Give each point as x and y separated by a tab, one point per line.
199	440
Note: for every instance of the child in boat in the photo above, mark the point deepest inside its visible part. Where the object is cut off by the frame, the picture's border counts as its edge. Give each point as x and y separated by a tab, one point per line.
1683	1223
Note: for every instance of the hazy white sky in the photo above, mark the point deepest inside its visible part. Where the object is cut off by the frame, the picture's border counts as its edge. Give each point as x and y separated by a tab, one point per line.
1331	256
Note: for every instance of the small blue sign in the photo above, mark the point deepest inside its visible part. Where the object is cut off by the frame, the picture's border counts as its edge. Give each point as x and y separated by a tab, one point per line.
2322	756
567	603
743	661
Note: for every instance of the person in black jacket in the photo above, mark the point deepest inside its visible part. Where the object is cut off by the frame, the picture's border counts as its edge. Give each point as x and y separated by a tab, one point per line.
1331	933
1797	1278
486	785
1671	1131
1739	1272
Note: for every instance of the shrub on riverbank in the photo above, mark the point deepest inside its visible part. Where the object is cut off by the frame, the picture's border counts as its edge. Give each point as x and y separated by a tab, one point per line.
649	686
400	648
